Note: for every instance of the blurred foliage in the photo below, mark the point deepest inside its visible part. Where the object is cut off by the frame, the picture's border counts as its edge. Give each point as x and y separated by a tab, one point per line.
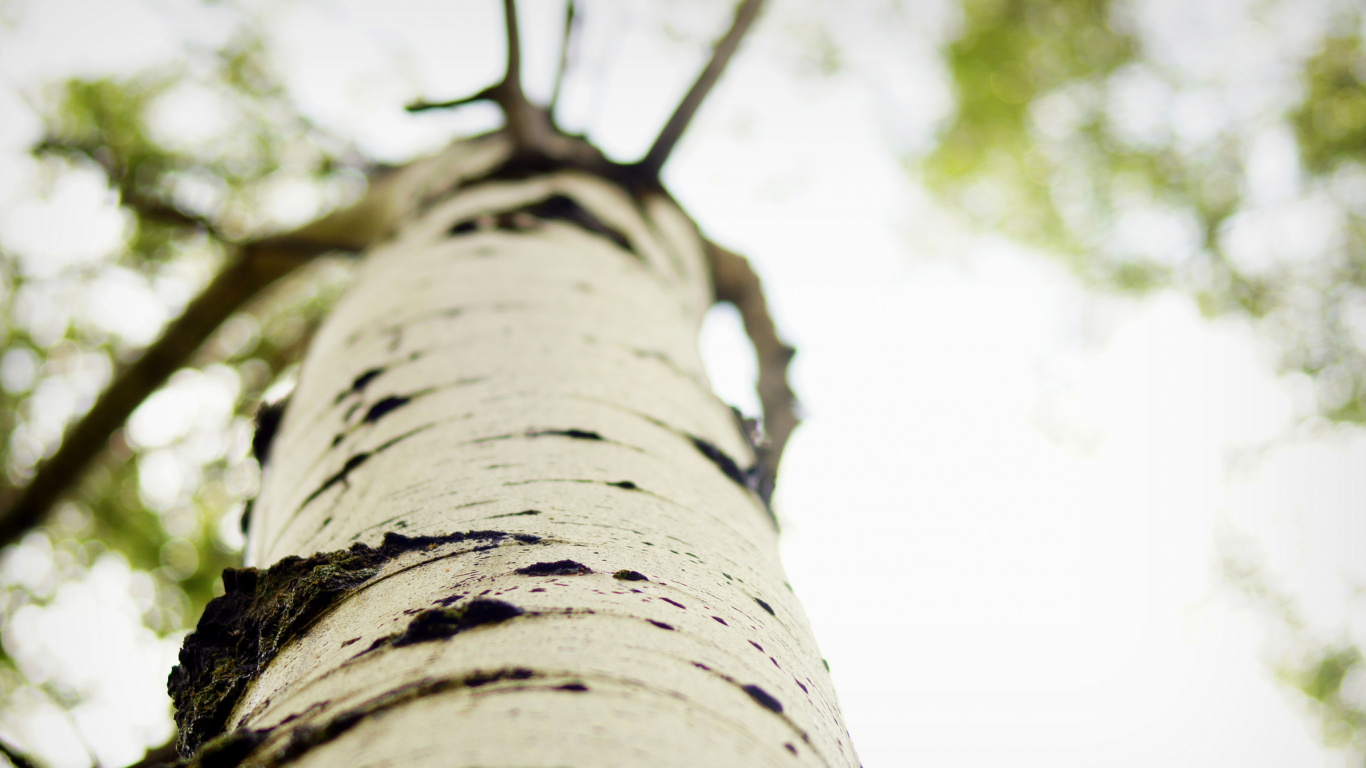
1072	135
169	508
1075	134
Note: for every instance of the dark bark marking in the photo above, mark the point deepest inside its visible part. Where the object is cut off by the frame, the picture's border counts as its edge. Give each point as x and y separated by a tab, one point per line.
564	208
557	207
349	642
721	621
763	698
357	460
788	746
226	751
268	418
765	606
575	687
241	631
441	623
723	462
385	406
626	484
629	575
577	434
340	477
306	738
557	568
359	384
661	624
756	645
799	685
675	603
516	514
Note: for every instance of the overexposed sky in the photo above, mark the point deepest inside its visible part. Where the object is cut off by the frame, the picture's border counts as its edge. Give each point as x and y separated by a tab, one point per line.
1009	507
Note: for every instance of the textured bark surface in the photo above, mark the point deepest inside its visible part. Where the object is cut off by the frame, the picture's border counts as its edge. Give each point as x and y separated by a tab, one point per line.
518	365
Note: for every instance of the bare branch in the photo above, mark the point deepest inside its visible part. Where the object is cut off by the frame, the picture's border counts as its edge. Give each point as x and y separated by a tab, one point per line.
513	75
736	282
570	35
678	123
488	94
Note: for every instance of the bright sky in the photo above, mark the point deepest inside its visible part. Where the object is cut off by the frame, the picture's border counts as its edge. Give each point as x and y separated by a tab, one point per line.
1009	507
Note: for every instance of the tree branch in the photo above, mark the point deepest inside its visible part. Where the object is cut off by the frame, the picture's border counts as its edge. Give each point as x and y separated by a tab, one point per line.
736	282
146	206
488	94
256	266
512	76
678	123
570	30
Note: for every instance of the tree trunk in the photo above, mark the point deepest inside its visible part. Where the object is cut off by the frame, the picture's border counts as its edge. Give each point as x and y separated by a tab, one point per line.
507	519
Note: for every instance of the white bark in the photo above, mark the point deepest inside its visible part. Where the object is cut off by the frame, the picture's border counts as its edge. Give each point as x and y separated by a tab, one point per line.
515	348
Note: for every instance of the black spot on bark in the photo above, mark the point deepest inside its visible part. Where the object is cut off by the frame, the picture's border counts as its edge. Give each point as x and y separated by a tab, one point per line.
526	538
764	698
348	642
799	685
661	624
756	645
627	484
575	687
476	679
723	462
765	606
721	621
557	568
672	602
268	418
441	623
463	227
629	575
360	382
788	746
385	406
577	434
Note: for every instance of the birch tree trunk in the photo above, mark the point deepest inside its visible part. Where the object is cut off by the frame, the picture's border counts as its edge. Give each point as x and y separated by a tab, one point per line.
505	518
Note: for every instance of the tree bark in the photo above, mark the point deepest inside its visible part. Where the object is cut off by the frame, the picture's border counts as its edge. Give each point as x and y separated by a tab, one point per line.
505	518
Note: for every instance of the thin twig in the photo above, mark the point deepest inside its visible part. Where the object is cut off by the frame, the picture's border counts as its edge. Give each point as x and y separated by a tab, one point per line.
570	28
678	123
735	282
513	75
488	94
